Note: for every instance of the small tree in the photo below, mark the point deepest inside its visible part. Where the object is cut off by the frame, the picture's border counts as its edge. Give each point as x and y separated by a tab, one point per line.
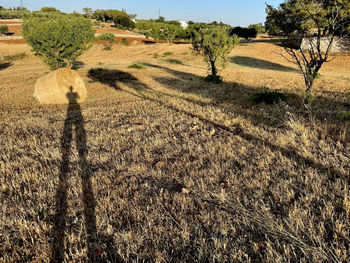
171	31
108	38
215	44
58	41
317	24
88	12
156	32
4	29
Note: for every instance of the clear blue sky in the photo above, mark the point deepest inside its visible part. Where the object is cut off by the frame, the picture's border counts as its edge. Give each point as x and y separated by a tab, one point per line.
234	12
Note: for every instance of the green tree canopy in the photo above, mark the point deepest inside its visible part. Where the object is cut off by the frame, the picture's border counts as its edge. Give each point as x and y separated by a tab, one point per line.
120	18
215	44
59	41
49	9
317	24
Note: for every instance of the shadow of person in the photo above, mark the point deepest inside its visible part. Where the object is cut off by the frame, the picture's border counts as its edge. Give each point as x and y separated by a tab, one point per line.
74	119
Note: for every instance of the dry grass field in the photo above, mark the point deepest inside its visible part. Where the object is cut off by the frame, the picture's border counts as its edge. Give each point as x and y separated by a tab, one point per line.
160	166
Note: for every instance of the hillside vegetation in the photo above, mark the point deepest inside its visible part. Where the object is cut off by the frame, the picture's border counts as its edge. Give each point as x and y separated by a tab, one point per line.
159	165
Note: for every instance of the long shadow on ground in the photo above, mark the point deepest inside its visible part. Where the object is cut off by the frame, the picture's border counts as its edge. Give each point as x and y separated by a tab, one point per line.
325	109
111	77
5	65
261	64
75	123
133	86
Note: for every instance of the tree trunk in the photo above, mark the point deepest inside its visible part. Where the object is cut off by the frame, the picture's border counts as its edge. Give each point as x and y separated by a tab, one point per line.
309	86
213	70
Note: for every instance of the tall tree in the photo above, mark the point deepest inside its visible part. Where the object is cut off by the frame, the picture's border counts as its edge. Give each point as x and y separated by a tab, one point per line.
309	29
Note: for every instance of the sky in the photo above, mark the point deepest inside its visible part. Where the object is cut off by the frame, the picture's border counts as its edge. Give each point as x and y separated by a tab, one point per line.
233	12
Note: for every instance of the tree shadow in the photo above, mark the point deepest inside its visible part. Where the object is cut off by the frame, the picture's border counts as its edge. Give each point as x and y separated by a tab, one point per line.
135	87
110	77
74	123
5	65
78	65
236	97
260	64
174	61
333	173
266	40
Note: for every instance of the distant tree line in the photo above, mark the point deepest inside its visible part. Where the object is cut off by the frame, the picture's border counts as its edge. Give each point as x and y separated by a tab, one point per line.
159	29
44	12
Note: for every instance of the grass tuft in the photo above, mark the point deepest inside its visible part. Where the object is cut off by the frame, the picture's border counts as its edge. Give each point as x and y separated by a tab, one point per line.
168	53
137	66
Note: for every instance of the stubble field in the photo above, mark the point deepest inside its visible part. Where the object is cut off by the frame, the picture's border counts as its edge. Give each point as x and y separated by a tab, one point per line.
160	166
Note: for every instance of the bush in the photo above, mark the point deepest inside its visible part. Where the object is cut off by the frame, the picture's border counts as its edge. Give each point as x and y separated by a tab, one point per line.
246	33
58	41
269	97
125	42
166	54
109	38
107	48
4	29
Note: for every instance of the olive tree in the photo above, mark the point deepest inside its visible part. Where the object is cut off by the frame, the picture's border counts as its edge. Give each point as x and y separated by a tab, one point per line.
215	44
108	38
59	41
4	30
309	29
170	31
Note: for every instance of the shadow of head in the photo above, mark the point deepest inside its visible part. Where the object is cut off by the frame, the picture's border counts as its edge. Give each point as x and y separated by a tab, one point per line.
72	96
260	64
110	77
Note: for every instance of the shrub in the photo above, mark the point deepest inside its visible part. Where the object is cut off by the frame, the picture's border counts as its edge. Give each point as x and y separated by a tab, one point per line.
97	23
58	41
137	66
246	33
4	29
166	54
125	42
109	38
268	96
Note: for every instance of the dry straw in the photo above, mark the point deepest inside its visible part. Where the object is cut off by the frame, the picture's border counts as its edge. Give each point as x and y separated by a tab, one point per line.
55	87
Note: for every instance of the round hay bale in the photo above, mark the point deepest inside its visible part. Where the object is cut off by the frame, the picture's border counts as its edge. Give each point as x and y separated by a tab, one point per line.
56	87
